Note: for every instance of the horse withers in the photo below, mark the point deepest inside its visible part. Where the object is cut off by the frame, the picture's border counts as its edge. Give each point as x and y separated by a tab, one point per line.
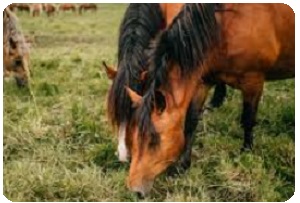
241	45
15	50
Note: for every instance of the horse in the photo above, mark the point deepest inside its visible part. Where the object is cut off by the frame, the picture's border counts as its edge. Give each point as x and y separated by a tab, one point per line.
133	43
23	7
140	24
15	50
241	45
50	9
36	9
87	6
67	7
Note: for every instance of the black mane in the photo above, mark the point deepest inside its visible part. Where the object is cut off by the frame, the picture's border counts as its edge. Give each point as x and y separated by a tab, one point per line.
140	25
193	32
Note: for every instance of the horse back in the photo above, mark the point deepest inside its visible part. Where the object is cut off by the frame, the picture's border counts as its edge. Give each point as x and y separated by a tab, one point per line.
258	38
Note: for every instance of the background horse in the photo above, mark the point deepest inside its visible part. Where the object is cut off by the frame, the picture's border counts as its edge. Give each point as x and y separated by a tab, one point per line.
202	47
36	9
87	6
15	50
50	9
67	7
23	7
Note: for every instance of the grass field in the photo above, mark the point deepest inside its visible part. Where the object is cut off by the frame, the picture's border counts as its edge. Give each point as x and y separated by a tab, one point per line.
60	147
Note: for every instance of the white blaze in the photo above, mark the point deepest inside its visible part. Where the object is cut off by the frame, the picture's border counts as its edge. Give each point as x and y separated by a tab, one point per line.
122	149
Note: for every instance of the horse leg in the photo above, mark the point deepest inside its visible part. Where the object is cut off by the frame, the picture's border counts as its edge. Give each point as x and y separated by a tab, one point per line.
252	87
191	123
219	95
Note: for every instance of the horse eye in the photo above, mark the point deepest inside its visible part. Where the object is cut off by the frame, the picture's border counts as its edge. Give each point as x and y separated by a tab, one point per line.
18	62
160	102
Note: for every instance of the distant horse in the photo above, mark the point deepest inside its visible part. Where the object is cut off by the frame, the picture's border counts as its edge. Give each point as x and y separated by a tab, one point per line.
23	7
36	9
49	9
67	7
87	6
132	69
241	45
15	50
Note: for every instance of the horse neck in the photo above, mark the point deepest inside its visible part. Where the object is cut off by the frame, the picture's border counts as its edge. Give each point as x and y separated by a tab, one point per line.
170	11
182	89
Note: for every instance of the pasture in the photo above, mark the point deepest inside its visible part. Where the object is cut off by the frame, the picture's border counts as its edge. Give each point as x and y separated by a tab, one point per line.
59	146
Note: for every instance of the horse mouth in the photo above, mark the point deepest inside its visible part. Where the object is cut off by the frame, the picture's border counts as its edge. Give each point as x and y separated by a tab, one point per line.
21	82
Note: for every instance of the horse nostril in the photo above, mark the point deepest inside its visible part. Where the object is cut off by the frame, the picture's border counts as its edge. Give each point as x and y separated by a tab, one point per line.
140	195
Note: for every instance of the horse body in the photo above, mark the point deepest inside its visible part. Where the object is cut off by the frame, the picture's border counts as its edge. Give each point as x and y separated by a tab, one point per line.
87	6
15	50
50	9
67	7
36	9
23	7
270	55
241	45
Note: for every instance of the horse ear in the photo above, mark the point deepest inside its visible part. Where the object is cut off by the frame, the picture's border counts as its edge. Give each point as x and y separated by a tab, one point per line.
144	75
111	73
5	13
135	98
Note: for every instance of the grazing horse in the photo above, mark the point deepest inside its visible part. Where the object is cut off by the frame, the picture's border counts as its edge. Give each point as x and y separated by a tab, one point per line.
140	25
50	9
67	7
36	9
23	7
241	45
87	6
134	40
15	50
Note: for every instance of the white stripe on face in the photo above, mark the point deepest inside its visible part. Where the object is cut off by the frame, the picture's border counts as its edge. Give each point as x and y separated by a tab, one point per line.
122	148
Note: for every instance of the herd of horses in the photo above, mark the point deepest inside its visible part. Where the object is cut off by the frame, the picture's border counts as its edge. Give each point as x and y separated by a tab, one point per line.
51	9
169	57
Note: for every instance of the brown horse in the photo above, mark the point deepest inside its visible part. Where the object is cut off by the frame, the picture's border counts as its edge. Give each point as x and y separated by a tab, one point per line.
87	6
50	9
242	45
140	25
23	7
36	9
67	7
15	50
134	39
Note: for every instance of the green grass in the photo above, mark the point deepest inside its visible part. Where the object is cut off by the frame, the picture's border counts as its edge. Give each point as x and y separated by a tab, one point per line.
61	148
